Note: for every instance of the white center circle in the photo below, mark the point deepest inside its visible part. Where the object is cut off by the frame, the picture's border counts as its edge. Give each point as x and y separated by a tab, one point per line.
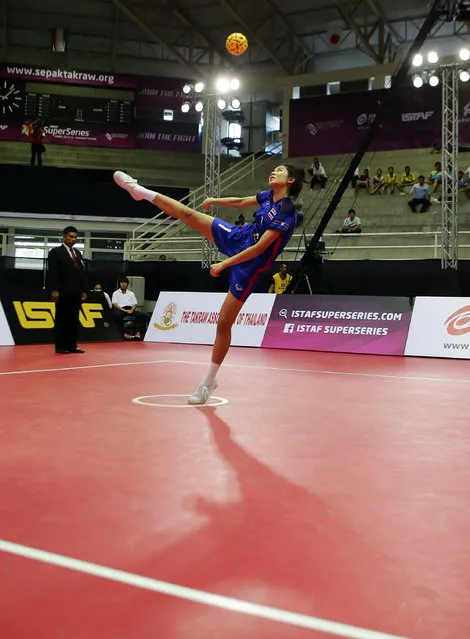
146	401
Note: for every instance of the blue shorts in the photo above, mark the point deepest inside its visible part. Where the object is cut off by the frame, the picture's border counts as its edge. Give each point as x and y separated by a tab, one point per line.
231	240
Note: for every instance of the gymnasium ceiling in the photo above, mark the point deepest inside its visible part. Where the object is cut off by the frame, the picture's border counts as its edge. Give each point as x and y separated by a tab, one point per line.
185	38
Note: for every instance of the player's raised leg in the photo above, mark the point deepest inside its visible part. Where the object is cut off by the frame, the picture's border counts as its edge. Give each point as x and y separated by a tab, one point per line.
200	222
228	314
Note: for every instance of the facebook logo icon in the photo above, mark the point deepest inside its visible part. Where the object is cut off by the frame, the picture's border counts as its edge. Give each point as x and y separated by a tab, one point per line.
289	328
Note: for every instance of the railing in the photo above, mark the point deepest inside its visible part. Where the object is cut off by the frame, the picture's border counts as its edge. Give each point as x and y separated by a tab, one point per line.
155	232
28	254
182	247
339	242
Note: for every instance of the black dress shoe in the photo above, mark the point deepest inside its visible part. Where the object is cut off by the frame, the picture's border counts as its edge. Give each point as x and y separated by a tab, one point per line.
76	350
59	351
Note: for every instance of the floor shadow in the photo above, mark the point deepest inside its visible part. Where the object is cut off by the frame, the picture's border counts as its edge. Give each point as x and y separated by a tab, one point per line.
278	544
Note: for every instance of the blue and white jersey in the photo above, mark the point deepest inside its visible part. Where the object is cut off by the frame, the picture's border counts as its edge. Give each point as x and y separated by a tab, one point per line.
231	239
280	216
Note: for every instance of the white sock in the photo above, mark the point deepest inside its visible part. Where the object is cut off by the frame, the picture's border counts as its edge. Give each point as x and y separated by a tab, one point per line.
211	374
141	193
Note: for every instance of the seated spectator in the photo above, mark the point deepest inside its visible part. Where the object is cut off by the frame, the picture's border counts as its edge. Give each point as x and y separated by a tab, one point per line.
124	303
390	182
436	176
241	220
318	174
98	288
352	224
377	182
419	196
363	181
407	180
355	177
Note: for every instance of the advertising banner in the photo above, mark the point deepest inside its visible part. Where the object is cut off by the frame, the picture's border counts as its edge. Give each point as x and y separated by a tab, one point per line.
31	319
150	92
440	327
79	134
342	324
159	93
6	338
191	318
167	136
58	75
152	136
335	124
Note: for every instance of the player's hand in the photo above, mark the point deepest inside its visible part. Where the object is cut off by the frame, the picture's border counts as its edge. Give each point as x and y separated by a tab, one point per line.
216	269
206	205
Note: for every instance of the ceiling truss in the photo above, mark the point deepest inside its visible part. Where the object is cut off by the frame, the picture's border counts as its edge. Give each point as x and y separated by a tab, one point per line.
187	40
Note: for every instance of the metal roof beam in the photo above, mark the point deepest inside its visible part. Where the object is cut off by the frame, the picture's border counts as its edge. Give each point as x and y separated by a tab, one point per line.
183	15
377	9
157	38
304	54
352	24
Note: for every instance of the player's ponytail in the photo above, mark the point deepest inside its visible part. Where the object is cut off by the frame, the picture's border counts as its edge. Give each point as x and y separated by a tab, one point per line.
299	177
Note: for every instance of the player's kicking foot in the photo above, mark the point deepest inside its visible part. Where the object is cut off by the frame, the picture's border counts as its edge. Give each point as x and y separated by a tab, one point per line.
128	183
202	393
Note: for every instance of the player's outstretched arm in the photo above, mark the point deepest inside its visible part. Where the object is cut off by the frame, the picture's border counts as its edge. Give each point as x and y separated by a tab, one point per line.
230	202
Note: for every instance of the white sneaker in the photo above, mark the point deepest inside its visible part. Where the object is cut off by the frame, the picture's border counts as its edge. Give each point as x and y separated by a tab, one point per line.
202	393
127	183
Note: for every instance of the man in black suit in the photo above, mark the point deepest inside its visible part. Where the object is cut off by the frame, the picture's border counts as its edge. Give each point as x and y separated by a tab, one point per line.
67	286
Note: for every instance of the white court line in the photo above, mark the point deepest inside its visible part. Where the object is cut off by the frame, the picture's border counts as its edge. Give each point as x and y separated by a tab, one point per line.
254	367
197	596
78	368
324	372
140	400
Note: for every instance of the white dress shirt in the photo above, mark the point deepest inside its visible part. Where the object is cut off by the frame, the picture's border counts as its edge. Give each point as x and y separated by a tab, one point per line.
124	299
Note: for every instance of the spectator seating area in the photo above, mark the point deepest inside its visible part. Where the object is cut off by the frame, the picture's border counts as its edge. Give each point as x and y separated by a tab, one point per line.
389	229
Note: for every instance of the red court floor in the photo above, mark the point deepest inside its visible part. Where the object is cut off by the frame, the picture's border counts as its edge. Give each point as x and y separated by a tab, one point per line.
332	486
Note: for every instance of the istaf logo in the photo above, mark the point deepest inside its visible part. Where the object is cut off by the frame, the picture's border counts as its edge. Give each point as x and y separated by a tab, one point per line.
459	322
34	315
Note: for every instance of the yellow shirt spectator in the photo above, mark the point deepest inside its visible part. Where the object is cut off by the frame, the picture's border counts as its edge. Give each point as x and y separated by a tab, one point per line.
408	179
280	284
391	179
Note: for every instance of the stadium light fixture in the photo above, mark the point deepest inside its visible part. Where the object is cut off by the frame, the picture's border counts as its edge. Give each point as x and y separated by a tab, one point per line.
222	85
